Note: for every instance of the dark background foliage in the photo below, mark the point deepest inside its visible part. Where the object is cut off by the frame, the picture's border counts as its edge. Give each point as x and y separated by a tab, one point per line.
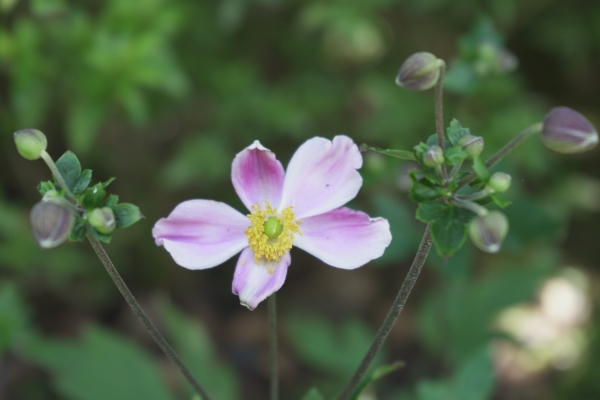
163	94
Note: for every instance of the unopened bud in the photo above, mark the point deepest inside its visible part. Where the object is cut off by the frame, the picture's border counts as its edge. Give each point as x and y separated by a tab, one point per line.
31	143
103	219
487	232
434	157
567	131
499	182
51	224
421	71
472	145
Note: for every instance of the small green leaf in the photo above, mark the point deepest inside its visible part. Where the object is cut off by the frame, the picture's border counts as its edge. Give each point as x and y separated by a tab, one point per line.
500	201
377	374
480	169
111	201
126	214
78	231
69	167
455	155
82	182
313	394
447	225
433	141
100	236
94	196
455	132
423	190
108	182
401	154
44	187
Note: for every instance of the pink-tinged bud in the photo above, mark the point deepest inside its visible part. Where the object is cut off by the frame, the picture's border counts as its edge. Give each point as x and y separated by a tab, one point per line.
51	224
488	232
567	131
30	143
420	71
499	182
434	157
472	145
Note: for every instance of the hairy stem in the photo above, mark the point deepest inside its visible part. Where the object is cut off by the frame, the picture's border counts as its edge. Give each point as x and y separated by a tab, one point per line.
391	317
274	381
503	152
478	209
439	114
142	317
50	163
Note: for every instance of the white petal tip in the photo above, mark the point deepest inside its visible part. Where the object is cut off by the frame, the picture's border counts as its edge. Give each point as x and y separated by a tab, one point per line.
257	145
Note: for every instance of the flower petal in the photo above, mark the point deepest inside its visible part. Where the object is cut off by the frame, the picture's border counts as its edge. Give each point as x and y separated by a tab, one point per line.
257	176
253	282
202	234
322	176
344	238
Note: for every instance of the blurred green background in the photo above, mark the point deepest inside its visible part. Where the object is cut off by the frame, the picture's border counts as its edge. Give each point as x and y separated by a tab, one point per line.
163	93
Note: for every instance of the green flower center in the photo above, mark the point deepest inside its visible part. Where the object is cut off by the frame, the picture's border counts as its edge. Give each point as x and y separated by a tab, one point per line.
273	227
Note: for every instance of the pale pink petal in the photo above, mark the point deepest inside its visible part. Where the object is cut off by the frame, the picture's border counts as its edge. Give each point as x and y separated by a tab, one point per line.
322	176
257	176
202	234
253	282
344	238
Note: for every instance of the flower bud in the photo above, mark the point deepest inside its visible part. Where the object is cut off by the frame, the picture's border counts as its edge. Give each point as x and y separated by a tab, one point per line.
420	71
499	182
30	143
51	224
434	156
567	131
103	219
488	232
472	145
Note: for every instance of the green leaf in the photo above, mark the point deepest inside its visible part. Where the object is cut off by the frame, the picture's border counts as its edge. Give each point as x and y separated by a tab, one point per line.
107	182
433	141
313	394
99	366
455	155
423	189
82	182
78	231
455	132
93	196
100	236
447	225
401	154
480	169
377	374
69	167
44	187
500	200
126	214
14	318
475	378
111	201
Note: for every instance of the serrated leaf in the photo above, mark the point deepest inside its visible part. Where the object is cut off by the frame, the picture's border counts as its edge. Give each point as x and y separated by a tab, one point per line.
78	231
500	200
45	187
313	394
455	132
104	238
82	182
455	155
93	196
69	167
126	214
480	169
447	225
111	201
401	154
377	374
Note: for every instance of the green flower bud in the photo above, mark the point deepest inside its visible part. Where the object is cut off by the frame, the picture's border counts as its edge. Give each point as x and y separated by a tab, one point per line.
273	227
499	182
567	131
434	156
488	232
103	219
421	71
472	145
31	143
51	223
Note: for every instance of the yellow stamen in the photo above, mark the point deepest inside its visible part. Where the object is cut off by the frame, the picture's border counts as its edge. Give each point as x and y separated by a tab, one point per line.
269	251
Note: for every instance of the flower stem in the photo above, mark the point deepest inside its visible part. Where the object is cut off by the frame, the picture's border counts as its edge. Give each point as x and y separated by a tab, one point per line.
478	209
50	163
274	381
391	317
439	115
503	152
142	317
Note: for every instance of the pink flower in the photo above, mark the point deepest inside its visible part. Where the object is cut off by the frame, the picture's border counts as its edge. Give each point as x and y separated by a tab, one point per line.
302	208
